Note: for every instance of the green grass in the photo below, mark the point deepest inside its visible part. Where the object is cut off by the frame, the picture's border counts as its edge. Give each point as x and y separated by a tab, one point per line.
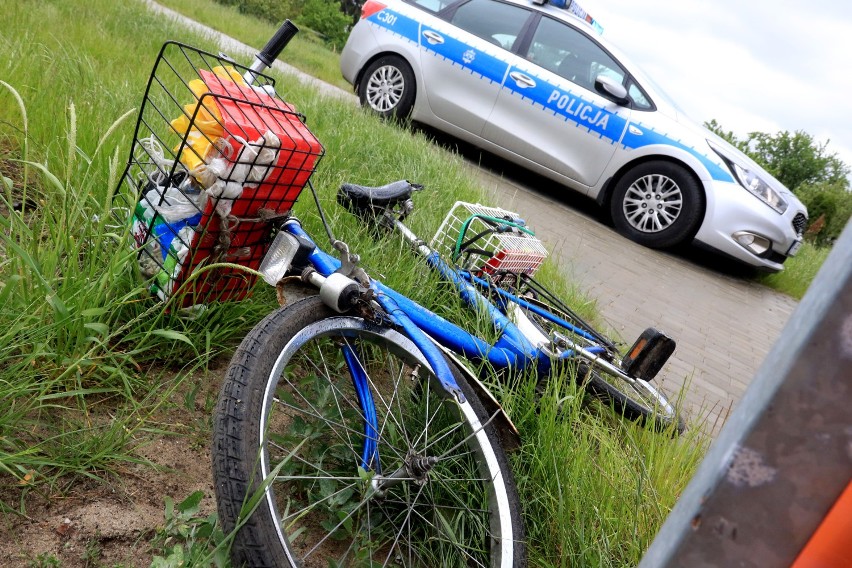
306	52
595	489
85	352
798	272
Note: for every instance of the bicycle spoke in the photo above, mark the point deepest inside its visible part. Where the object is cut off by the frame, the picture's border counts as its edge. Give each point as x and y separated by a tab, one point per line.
389	406
456	544
314	504
471	435
334	392
399	453
332	425
360	505
402	528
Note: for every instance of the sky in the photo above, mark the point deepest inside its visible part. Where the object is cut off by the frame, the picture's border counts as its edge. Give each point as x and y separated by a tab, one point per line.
753	65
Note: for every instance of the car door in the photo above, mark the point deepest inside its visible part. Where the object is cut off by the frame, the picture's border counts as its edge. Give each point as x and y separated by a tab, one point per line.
464	59
548	110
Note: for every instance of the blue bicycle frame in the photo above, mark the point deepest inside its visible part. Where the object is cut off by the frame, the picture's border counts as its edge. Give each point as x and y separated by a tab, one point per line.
511	350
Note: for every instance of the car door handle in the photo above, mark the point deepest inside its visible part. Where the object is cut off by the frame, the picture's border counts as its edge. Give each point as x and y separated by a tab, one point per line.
522	80
433	37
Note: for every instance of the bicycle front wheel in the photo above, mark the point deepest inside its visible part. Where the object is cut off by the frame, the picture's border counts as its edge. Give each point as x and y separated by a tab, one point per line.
358	456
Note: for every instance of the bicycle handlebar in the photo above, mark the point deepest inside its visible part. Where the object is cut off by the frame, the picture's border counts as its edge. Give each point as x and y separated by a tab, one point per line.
273	48
279	41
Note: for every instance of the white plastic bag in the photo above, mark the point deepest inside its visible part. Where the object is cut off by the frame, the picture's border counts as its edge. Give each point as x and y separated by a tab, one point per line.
174	204
247	169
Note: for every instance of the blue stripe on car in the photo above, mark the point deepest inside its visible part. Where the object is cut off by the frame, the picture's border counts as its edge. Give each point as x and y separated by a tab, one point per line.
549	96
570	106
459	53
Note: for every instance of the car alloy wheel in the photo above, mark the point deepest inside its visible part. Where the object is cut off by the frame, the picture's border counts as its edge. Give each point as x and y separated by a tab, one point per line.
387	87
652	203
657	204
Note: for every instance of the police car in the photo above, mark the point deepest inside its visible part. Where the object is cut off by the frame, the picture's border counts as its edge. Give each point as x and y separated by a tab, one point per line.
537	85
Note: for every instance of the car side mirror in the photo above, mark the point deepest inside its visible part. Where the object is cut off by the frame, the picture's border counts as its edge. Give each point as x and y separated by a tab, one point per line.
608	87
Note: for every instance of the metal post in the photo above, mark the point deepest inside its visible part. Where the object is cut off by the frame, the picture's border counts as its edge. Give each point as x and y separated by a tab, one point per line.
785	454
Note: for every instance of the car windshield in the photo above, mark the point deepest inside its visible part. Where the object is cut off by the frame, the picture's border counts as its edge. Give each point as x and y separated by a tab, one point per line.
642	78
661	93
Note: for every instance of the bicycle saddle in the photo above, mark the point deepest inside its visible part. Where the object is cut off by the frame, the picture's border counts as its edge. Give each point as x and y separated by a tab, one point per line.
361	198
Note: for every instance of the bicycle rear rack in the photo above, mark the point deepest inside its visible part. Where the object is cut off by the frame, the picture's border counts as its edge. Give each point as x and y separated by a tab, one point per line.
488	240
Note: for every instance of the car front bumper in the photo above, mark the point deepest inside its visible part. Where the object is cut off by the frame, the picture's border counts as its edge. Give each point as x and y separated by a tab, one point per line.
734	217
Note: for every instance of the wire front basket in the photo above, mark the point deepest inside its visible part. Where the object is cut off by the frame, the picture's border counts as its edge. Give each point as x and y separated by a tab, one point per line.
215	162
488	241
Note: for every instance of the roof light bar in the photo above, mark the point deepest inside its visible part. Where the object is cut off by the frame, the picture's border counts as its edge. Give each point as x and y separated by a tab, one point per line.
575	9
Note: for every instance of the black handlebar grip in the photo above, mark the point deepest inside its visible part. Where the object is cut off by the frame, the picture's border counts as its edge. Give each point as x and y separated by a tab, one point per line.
278	42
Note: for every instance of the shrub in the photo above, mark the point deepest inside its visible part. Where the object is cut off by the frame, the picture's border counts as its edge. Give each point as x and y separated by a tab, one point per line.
322	16
275	11
325	17
829	208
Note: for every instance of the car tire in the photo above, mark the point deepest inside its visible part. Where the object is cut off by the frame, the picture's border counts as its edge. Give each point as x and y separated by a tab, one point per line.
657	204
387	87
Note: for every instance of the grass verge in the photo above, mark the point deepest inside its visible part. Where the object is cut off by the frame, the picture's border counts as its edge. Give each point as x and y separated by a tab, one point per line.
306	52
798	272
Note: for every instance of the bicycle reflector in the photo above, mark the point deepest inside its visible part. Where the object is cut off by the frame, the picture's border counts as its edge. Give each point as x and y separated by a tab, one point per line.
278	259
648	354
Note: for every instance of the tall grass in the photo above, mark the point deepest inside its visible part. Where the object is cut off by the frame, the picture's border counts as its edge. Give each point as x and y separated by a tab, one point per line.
306	52
83	350
595	488
77	333
798	272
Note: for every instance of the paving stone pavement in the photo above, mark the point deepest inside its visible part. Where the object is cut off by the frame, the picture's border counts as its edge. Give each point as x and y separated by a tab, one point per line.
724	326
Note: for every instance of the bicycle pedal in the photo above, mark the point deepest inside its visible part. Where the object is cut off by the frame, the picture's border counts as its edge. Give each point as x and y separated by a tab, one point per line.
648	354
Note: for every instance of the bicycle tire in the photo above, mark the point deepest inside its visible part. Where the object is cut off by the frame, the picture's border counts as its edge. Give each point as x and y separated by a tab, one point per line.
639	401
467	507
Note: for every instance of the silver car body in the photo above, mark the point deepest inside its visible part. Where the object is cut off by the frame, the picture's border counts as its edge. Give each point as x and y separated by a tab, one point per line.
485	94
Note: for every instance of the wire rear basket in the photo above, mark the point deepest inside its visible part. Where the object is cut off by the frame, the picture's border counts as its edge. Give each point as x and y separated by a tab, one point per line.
215	162
488	241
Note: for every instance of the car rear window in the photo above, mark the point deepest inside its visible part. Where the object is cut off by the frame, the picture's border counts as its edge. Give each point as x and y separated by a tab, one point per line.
433	6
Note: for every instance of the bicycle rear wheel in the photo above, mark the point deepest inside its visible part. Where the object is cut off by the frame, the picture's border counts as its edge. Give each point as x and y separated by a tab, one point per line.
637	400
369	461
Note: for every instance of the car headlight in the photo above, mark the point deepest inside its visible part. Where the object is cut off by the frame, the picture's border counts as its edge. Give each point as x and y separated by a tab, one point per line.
759	188
754	184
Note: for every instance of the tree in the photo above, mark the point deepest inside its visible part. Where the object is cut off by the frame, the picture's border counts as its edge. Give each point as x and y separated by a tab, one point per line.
729	136
829	207
326	17
352	8
793	159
